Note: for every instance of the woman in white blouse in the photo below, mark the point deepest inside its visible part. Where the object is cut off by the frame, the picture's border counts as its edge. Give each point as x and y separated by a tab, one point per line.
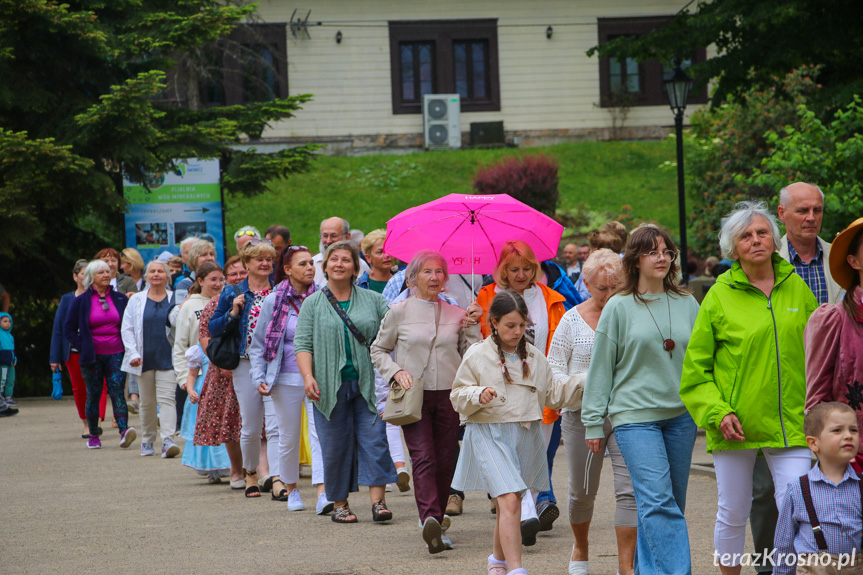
569	354
428	337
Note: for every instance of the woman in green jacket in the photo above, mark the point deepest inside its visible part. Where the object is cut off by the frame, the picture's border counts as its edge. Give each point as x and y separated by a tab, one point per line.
743	376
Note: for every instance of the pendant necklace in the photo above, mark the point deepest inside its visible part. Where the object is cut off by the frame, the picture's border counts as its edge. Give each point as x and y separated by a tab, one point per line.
667	344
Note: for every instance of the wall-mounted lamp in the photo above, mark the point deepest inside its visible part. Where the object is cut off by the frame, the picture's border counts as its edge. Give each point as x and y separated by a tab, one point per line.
339	37
548	32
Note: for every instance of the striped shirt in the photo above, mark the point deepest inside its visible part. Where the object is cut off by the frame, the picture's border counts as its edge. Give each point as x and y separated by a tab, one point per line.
839	512
813	272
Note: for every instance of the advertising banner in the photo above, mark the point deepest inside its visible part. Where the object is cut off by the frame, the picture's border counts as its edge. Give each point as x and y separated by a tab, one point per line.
185	202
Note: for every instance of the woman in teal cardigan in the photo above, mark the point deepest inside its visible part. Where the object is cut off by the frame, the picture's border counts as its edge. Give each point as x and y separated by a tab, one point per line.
339	377
743	377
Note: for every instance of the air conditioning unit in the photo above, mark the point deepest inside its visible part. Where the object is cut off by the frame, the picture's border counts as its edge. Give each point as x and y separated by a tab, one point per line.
441	121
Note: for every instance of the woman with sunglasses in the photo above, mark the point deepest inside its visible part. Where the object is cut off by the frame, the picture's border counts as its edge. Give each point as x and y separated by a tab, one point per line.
63	352
147	324
275	370
240	305
634	380
93	328
744	378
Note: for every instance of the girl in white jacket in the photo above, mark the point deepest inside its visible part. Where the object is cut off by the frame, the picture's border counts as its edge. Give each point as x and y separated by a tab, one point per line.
500	390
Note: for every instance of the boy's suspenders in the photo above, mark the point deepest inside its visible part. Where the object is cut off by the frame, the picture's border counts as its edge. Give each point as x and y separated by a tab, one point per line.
813	517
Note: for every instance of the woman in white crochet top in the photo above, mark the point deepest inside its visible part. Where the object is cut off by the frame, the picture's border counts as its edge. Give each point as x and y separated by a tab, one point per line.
569	354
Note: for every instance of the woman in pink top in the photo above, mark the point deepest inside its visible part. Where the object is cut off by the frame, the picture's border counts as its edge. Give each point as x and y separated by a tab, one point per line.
93	328
833	339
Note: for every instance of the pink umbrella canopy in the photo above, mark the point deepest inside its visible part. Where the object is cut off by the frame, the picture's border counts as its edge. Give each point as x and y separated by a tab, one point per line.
469	231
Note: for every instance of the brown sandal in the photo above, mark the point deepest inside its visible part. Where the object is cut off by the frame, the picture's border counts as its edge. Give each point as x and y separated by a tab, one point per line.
380	512
253	490
343	514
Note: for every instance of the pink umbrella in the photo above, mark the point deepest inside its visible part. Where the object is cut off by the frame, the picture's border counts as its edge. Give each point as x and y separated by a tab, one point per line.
469	231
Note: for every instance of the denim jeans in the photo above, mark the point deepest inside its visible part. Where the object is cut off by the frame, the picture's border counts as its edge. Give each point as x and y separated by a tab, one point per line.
658	455
550	452
353	445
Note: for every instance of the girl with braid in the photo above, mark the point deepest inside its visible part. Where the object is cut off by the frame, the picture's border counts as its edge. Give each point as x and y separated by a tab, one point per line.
500	389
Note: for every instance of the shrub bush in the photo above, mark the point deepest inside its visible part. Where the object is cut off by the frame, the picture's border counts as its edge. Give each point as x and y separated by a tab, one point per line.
530	179
730	142
829	155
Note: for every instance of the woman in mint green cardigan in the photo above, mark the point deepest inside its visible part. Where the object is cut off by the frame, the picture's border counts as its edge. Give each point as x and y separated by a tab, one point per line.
339	377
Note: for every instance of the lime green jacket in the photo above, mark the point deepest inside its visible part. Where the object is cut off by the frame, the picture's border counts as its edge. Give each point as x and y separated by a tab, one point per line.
745	356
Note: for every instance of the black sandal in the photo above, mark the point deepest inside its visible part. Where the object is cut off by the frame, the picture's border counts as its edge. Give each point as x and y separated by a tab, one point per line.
254	490
380	512
341	515
282	493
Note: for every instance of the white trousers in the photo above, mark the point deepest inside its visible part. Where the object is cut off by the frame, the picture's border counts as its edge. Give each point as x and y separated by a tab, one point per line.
253	408
734	483
287	395
315	443
157	388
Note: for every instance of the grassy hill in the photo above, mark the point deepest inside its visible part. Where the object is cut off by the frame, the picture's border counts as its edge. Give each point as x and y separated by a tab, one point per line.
595	177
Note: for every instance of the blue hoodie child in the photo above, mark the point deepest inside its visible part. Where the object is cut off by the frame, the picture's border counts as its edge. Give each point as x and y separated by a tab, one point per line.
7	356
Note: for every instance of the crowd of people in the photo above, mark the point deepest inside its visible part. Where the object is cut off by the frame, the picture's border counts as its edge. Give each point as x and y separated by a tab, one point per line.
607	353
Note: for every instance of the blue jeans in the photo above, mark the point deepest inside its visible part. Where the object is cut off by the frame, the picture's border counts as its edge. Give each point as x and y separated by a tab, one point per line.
553	444
658	455
353	445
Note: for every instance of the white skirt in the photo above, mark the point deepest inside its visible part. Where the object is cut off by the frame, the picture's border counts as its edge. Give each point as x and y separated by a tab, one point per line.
502	458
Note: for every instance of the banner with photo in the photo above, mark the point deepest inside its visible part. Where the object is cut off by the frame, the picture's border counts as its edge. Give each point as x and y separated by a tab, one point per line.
173	206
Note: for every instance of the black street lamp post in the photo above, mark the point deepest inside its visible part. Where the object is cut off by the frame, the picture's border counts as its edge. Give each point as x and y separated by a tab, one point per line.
678	87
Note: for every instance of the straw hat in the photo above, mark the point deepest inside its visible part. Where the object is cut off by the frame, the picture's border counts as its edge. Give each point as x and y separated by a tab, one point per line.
840	269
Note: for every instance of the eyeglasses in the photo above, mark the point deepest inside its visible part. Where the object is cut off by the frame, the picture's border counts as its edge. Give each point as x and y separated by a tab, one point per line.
104	303
256	241
244	233
657	255
332	236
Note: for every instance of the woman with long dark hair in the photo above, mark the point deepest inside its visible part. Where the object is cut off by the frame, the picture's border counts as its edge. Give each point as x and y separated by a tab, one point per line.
634	380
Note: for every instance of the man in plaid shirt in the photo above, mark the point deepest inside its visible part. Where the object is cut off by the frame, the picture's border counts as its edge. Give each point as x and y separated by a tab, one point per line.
801	208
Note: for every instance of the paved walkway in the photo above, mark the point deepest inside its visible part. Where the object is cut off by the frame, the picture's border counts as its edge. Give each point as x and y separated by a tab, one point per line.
70	510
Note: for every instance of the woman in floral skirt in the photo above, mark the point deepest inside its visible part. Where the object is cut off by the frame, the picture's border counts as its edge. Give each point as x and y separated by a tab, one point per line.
218	410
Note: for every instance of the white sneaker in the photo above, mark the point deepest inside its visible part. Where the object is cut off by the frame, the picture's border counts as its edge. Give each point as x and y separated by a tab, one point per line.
324	505
447	542
169	448
389	487
295	502
404	482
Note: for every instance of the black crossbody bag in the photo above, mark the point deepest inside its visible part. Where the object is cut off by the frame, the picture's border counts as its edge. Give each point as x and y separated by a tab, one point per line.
224	350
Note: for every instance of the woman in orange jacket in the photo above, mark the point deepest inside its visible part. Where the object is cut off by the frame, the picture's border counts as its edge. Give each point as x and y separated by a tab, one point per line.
519	270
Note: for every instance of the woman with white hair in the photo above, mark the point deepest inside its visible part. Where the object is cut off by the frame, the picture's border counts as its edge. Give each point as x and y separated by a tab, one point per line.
93	328
146	331
743	377
569	354
427	339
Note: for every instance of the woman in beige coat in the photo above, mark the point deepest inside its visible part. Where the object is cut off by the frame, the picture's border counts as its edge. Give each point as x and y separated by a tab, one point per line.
428	337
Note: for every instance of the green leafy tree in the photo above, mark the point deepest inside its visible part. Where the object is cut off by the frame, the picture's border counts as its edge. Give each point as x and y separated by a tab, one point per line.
827	154
85	94
757	40
727	145
81	101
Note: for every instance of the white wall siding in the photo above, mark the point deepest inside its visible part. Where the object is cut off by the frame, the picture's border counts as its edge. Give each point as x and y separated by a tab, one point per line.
544	84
